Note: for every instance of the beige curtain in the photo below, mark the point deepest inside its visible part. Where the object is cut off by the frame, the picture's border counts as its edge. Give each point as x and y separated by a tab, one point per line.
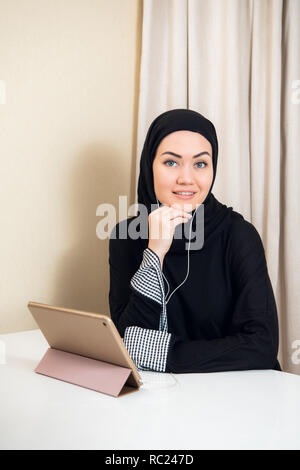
238	63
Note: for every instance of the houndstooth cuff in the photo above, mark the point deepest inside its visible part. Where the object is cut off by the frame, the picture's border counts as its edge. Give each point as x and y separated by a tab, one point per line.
147	348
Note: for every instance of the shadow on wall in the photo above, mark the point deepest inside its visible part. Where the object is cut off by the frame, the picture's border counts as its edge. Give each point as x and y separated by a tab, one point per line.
82	279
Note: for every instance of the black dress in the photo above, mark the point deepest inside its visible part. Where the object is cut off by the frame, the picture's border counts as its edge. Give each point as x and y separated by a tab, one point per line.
222	318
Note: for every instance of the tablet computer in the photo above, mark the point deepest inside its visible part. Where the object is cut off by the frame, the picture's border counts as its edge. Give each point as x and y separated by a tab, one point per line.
85	349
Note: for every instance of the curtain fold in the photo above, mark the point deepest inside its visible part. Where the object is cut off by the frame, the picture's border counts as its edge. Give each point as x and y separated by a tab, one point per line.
163	74
238	63
289	254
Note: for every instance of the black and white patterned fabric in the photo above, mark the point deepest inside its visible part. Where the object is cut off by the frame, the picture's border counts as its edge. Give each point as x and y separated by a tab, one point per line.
149	348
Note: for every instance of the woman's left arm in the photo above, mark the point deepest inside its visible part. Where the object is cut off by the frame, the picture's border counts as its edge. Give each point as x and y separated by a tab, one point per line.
252	337
251	341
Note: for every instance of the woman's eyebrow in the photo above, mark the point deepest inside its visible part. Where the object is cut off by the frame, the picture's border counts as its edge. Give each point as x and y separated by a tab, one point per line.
179	156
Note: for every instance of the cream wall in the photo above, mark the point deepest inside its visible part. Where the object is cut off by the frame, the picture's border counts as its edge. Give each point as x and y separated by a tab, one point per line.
67	144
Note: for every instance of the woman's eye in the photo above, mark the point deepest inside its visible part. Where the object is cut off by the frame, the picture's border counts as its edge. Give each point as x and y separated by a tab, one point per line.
200	163
169	161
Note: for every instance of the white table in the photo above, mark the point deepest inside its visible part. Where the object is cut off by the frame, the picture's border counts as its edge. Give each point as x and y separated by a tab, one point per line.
257	409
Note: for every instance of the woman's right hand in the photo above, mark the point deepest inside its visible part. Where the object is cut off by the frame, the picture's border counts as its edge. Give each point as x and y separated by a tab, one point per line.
162	223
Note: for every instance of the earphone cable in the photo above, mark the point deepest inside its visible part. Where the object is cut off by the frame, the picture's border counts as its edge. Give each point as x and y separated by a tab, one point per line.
188	263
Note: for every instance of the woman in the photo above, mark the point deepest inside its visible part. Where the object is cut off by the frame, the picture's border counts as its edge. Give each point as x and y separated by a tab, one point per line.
206	309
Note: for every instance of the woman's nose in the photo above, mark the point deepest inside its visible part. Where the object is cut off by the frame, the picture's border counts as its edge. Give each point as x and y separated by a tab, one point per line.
184	176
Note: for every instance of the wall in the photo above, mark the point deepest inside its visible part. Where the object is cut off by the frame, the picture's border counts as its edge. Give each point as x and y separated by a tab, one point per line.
67	144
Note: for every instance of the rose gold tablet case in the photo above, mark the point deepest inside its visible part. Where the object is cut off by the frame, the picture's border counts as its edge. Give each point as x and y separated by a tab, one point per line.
85	349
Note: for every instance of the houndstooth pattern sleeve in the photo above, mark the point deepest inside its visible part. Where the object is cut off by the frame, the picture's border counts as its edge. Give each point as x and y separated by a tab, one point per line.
148	279
149	348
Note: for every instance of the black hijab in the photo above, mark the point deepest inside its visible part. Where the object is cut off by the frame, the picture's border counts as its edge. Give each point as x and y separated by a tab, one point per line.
215	213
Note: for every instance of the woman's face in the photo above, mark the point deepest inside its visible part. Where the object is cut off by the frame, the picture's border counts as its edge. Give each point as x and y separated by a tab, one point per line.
178	167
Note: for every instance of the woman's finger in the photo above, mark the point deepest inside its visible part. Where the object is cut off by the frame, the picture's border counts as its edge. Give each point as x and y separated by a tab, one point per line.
174	212
179	220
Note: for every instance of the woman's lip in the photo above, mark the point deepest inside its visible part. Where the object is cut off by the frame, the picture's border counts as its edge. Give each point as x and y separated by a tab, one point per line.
184	196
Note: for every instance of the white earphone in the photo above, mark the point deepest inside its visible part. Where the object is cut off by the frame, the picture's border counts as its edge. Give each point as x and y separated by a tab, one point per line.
188	268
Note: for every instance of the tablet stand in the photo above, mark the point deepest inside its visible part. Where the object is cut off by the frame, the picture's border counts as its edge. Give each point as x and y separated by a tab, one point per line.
85	372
